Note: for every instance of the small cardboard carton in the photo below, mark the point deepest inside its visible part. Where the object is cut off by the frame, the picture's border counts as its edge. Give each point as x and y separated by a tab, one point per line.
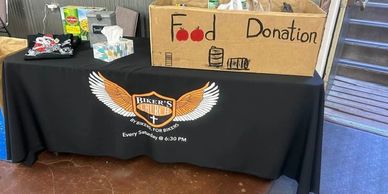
75	21
275	42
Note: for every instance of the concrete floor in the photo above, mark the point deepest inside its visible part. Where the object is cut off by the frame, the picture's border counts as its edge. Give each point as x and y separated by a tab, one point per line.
353	162
82	174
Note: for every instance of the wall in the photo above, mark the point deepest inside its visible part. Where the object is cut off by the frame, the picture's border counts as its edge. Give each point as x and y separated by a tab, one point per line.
25	16
3	12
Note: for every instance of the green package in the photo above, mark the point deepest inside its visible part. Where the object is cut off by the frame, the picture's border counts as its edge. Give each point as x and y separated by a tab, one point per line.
213	4
75	21
70	21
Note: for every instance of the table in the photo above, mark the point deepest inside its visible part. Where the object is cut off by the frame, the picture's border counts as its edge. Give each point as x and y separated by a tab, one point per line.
263	125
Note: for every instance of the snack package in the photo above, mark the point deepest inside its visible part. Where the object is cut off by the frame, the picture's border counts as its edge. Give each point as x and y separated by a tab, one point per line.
213	4
75	21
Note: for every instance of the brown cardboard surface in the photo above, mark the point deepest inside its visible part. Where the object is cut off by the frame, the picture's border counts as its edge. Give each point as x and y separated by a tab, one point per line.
8	46
273	51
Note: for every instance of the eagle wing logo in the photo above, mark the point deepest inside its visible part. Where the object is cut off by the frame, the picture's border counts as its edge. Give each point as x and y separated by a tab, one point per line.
154	108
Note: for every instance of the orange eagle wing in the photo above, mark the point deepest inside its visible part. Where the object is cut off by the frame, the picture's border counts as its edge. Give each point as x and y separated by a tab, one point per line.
189	101
111	94
197	103
118	94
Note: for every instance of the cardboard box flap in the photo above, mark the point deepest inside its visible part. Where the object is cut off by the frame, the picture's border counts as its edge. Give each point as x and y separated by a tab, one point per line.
188	3
8	46
297	5
311	7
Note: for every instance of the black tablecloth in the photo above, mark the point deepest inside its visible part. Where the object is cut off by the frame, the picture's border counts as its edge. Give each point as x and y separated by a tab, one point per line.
264	125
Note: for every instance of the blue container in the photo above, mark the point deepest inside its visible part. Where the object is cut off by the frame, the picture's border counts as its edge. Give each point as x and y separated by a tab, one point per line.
3	143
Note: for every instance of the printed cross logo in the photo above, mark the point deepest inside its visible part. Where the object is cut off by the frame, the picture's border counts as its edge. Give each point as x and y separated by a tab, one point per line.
155	109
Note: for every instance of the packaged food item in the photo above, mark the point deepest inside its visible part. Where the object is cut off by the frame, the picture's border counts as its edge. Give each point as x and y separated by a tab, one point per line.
75	21
213	4
245	4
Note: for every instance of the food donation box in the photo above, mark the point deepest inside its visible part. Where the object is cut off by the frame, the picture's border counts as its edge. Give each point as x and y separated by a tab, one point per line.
195	37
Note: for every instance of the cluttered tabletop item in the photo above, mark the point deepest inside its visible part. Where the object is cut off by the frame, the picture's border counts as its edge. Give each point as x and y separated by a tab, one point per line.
240	5
252	36
115	47
93	24
50	46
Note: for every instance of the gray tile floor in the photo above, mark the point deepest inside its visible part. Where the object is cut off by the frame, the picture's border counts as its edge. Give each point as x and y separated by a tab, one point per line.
353	161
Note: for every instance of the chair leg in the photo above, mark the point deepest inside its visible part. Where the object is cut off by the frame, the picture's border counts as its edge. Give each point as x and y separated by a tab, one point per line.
5	27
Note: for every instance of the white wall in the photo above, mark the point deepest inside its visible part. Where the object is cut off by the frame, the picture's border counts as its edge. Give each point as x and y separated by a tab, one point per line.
328	36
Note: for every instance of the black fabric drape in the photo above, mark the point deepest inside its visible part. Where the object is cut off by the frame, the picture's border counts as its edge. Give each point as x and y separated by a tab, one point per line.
264	125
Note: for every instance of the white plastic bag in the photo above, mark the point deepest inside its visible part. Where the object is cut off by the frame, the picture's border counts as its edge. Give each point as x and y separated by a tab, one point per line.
251	5
232	5
261	5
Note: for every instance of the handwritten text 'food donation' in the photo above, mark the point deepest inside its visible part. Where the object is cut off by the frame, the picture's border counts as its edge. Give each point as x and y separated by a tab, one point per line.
255	28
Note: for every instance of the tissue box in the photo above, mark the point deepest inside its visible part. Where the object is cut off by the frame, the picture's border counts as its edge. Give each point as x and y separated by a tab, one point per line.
109	52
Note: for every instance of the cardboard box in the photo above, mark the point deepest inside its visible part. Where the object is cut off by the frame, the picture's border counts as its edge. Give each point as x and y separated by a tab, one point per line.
8	46
75	21
110	52
242	41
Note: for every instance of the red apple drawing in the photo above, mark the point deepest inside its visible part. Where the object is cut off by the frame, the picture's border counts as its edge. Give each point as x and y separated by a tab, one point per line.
197	34
182	35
